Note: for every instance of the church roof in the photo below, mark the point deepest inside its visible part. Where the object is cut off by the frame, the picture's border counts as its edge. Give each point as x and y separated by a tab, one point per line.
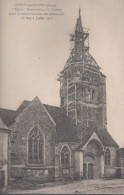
106	138
66	129
87	59
8	116
103	135
3	126
22	106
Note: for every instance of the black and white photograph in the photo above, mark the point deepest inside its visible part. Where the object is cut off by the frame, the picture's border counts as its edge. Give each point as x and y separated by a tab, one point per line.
61	97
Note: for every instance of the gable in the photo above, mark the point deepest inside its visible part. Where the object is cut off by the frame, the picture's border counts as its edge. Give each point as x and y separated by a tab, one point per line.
35	111
102	136
93	137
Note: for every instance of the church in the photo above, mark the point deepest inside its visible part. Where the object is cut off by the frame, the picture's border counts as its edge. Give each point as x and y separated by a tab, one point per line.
69	142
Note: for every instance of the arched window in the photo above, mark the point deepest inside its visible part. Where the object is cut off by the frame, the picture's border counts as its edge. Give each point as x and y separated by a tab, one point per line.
65	157
107	157
35	146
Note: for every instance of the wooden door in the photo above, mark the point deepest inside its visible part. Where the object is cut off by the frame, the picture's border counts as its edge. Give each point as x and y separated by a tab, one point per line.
90	171
84	170
2	178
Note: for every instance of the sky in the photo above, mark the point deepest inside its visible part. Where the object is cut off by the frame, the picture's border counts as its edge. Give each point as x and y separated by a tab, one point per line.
33	52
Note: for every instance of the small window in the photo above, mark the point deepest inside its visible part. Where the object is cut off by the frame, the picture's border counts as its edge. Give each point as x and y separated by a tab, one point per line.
107	157
92	79
65	157
88	94
65	75
82	92
69	75
93	94
62	101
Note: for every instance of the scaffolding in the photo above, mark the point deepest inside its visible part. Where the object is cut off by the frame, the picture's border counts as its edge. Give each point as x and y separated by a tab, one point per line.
77	65
71	99
84	38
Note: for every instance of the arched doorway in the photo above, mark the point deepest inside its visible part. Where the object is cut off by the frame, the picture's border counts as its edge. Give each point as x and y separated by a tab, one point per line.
92	160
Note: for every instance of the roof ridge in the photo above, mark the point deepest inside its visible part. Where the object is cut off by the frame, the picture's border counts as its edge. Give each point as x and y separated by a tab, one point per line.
52	106
7	109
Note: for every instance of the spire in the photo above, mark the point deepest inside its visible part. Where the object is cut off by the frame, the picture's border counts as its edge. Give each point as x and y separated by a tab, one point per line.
79	12
79	23
79	39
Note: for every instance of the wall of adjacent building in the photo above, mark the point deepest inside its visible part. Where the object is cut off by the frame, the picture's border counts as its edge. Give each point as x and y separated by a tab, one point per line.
4	155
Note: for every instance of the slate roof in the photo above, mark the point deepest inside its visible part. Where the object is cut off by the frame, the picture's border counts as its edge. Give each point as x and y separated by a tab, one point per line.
22	106
106	138
8	116
3	126
85	137
103	135
67	130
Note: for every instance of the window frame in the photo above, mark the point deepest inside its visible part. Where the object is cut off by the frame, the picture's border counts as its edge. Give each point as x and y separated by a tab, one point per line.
40	159
107	156
65	164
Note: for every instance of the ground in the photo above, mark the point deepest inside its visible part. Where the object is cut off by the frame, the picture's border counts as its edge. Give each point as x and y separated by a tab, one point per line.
101	186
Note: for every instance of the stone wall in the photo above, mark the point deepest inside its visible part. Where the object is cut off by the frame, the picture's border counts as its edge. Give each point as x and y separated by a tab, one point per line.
60	172
33	115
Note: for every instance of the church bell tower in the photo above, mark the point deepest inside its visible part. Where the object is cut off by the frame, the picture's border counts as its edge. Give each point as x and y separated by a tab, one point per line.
82	84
